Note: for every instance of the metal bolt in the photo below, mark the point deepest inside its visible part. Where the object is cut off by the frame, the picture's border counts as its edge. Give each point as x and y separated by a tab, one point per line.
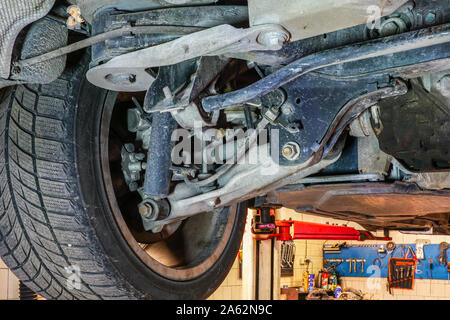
430	18
444	86
272	40
147	211
291	151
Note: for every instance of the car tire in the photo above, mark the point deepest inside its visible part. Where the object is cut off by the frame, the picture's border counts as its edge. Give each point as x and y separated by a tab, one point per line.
57	233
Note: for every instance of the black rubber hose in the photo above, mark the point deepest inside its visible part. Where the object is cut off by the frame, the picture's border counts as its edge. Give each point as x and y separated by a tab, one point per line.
360	51
158	174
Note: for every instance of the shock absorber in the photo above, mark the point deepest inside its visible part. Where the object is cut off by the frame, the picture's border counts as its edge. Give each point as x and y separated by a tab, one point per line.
157	174
169	80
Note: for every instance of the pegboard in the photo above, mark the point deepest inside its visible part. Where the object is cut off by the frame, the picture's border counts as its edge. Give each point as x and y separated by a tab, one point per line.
423	271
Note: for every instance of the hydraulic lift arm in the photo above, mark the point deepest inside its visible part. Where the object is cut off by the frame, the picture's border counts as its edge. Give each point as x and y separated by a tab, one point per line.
281	230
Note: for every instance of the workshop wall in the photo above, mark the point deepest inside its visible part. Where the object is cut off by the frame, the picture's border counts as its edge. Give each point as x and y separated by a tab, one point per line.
424	289
9	284
232	287
304	250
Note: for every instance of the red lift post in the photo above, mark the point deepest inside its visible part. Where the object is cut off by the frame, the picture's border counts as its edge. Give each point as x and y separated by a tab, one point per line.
307	230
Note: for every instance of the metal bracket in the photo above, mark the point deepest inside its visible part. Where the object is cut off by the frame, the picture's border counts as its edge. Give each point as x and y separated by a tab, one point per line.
218	40
420	243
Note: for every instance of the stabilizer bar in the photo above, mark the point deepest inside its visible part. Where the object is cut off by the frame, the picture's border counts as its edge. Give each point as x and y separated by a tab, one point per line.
375	48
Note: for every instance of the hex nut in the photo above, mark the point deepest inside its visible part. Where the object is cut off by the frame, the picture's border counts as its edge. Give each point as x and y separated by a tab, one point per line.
291	151
148	210
272	40
145	209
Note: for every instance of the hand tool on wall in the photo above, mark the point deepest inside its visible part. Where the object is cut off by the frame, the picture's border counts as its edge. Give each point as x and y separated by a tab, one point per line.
390	246
332	263
401	273
431	264
448	271
420	243
442	258
362	264
349	265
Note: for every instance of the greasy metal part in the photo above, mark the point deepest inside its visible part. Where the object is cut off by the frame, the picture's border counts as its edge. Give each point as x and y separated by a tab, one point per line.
213	41
14	16
153	210
350	111
170	83
190	116
245	182
132	165
308	18
170	79
199	16
371	160
432	180
292	51
203	73
376	204
198	229
356	52
137	123
341	178
442	258
425	180
242	147
89	8
363	127
157	173
416	127
148	209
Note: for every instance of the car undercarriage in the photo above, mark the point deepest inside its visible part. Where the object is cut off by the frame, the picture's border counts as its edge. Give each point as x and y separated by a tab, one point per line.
183	113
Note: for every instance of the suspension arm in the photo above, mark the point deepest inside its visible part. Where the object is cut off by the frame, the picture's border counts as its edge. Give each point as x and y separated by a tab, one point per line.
365	50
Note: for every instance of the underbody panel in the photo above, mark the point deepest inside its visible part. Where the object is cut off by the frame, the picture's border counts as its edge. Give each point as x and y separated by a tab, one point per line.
384	205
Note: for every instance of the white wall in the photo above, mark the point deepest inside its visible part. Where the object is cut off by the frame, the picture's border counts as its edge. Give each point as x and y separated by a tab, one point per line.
9	284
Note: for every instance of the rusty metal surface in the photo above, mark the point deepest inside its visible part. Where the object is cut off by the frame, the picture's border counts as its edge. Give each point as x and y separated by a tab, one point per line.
391	205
